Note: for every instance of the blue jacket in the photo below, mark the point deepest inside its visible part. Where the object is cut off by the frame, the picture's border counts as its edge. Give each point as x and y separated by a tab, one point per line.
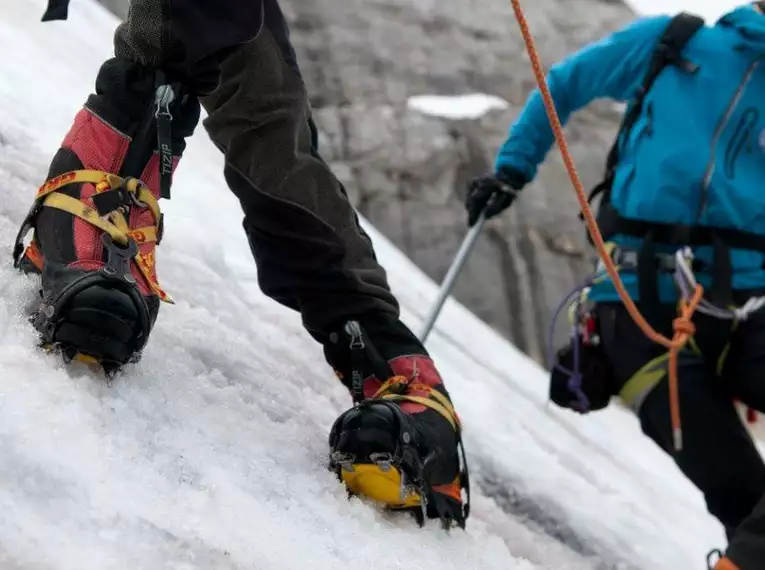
699	145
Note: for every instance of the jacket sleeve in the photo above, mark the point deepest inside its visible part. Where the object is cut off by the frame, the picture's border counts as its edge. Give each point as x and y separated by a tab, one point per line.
612	67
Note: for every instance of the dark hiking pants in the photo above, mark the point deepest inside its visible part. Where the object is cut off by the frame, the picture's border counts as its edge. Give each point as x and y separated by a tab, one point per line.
311	252
723	362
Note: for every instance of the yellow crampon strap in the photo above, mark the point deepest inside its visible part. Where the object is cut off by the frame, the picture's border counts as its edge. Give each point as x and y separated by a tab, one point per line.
435	401
77	208
103	181
114	223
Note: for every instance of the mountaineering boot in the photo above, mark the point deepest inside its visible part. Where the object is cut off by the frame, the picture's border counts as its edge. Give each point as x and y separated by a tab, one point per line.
97	222
400	444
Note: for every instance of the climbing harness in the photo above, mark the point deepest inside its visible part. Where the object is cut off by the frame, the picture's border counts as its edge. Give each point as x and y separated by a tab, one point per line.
686	282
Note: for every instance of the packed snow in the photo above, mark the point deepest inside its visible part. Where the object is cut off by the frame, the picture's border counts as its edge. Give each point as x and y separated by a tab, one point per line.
210	452
470	106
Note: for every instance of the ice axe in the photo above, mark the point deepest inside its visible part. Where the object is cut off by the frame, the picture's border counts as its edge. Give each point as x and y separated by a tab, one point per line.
451	275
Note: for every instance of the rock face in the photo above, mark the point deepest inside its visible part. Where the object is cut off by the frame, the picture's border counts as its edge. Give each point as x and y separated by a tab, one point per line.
406	171
118	7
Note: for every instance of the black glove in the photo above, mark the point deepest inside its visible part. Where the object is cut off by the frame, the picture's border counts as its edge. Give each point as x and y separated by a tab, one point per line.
492	194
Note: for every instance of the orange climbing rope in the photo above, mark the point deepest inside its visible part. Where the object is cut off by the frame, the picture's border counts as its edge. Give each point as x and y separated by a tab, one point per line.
683	325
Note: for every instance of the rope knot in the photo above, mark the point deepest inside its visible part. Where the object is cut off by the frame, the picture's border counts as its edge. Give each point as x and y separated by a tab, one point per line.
684	325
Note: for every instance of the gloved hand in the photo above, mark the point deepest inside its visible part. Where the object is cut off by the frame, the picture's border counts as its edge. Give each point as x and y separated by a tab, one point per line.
492	193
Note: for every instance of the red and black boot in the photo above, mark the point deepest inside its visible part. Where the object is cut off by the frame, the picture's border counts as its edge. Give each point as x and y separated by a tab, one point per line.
400	444
97	222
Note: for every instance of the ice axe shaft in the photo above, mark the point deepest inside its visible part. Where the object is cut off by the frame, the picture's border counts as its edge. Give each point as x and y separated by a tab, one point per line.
448	283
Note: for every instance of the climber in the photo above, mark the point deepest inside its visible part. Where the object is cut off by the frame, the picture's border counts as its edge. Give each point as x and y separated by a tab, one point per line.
97	225
681	203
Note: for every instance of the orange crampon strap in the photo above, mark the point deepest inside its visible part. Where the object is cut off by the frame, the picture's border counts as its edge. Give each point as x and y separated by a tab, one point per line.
683	325
112	222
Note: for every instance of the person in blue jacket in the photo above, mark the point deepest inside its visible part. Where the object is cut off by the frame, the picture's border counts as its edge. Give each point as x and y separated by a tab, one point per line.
688	171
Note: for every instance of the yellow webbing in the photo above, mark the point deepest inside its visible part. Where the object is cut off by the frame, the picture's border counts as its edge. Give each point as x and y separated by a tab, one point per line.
448	413
116	225
83	211
435	401
144	235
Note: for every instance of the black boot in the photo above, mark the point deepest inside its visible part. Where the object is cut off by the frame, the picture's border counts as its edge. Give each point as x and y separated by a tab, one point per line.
97	221
401	443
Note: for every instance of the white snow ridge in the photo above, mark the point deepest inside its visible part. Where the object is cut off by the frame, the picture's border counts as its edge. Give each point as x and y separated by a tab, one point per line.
471	106
210	452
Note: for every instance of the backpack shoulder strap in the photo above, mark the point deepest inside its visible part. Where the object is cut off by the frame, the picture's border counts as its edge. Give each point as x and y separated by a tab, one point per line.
670	47
668	51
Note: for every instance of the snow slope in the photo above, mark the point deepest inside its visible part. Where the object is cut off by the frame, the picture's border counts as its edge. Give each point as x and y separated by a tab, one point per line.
208	454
